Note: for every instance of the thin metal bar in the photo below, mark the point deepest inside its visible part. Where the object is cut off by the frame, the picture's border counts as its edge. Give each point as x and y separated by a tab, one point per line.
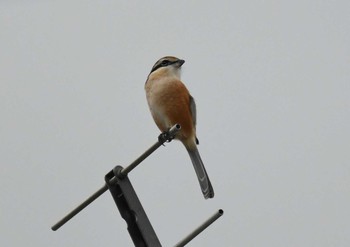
201	228
79	208
166	136
143	156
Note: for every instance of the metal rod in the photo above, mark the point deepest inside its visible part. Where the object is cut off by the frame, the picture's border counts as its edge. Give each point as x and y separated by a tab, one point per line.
79	208
166	136
129	168
201	228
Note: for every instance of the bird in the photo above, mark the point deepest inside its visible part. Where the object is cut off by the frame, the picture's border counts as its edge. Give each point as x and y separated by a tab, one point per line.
171	103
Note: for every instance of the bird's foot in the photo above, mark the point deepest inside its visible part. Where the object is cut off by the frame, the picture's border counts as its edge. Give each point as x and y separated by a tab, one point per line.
165	137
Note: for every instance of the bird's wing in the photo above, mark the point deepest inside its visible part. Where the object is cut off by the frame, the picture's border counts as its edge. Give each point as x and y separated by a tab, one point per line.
193	114
193	111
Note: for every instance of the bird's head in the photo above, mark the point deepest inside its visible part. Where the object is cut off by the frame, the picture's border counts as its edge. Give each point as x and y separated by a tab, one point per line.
168	66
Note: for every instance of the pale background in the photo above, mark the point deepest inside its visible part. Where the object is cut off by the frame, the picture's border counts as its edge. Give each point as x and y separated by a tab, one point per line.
272	84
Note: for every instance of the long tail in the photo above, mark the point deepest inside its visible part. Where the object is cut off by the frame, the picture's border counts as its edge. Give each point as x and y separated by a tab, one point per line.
202	175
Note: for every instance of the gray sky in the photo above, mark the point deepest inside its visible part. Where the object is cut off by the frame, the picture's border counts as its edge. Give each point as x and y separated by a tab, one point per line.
272	84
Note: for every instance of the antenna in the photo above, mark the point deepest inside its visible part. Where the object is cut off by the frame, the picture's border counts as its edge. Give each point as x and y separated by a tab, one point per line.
128	204
200	228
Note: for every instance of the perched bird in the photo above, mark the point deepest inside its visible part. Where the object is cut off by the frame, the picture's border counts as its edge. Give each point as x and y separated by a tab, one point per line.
171	103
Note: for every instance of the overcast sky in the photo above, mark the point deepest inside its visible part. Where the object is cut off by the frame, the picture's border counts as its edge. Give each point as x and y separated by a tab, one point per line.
271	81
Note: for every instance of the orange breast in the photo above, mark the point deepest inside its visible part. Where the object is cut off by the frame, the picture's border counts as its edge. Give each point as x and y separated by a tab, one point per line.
170	104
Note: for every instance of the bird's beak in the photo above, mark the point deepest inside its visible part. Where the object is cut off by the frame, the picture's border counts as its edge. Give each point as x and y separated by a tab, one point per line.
180	62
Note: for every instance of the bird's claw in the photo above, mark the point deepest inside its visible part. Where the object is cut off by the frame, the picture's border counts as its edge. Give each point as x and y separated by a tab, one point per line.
165	137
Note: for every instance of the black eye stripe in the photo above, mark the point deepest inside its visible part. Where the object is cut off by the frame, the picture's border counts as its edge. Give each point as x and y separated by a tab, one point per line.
163	63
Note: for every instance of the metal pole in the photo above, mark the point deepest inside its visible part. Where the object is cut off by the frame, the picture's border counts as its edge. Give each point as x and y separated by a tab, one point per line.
79	208
201	228
166	136
131	210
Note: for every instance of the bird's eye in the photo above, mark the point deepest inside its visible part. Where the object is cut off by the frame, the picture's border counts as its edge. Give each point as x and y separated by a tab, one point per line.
165	63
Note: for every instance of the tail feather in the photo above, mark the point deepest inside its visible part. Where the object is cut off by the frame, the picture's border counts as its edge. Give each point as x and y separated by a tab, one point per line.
202	175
